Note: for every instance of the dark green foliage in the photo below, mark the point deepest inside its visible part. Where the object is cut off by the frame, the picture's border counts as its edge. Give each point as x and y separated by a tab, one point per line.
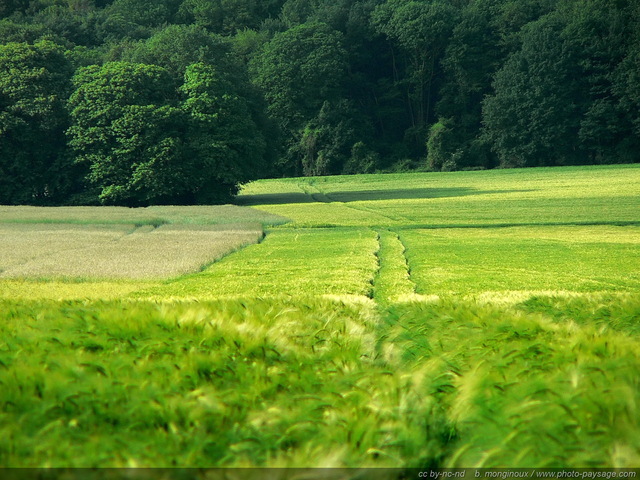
297	12
178	46
420	31
357	85
34	82
556	98
626	84
18	32
143	146
246	43
450	147
8	7
439	147
126	132
328	139
225	140
147	13
299	71
203	13
600	34
228	16
508	17
77	27
533	117
363	160
471	59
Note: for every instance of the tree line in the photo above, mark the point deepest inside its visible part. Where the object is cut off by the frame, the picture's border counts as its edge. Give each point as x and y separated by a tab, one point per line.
138	102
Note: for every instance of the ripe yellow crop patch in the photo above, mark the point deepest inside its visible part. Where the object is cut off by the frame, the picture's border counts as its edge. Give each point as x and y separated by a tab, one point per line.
116	251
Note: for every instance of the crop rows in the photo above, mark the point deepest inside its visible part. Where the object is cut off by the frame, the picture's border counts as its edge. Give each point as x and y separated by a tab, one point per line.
301	263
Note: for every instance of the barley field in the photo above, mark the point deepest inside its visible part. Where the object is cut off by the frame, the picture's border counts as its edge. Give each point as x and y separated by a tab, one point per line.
116	251
425	320
106	252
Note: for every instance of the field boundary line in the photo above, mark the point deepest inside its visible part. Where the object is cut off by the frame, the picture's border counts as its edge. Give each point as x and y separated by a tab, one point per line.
317	196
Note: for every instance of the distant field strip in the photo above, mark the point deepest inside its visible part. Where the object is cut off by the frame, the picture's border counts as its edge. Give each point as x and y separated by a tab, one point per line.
116	251
155	215
573	229
70	289
605	195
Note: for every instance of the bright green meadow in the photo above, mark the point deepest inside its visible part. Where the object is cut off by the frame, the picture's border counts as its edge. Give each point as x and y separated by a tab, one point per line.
420	320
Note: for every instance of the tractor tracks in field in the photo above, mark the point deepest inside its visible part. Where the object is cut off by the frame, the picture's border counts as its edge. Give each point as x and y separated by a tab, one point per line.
314	193
317	195
392	281
392	278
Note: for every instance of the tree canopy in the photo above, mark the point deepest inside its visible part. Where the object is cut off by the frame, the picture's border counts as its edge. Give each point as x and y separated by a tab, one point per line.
181	101
34	83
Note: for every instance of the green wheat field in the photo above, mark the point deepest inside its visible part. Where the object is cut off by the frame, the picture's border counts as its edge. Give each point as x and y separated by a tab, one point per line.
421	320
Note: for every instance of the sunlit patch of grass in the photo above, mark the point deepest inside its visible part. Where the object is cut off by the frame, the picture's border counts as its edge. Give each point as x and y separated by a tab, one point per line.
70	289
564	195
298	263
154	215
579	259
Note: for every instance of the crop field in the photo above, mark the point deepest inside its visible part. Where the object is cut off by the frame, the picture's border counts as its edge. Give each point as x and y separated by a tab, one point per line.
116	251
551	259
107	252
544	196
155	216
424	320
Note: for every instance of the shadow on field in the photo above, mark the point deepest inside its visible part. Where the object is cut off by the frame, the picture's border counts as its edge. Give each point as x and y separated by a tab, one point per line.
273	199
366	195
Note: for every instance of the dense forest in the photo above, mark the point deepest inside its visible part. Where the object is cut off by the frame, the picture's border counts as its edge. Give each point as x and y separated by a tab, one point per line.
138	102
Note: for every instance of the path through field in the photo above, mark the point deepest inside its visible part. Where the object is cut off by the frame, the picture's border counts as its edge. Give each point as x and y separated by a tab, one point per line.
471	234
